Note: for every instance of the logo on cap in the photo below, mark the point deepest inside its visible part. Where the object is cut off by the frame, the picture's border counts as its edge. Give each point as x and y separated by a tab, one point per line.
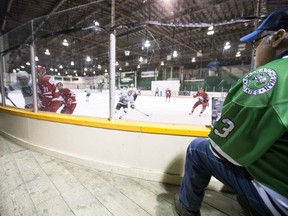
259	81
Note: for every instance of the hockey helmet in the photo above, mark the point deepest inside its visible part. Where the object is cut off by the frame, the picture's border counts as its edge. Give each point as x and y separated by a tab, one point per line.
130	92
23	77
40	70
59	85
22	74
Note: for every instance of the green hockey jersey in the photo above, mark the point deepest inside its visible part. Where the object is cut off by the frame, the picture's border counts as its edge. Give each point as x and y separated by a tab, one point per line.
253	129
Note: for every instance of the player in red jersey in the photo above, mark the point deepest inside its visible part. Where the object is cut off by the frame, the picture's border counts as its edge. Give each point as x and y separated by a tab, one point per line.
68	99
203	100
168	94
48	97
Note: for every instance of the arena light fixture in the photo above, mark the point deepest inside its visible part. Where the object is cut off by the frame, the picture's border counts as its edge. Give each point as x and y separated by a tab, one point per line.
210	31
96	23
65	43
147	44
227	45
88	59
175	54
47	52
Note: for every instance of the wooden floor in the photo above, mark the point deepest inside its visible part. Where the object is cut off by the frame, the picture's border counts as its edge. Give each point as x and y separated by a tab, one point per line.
35	184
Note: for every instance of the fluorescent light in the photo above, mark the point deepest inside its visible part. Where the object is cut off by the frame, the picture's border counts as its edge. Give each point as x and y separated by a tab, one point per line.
65	43
47	52
210	31
147	44
88	59
175	54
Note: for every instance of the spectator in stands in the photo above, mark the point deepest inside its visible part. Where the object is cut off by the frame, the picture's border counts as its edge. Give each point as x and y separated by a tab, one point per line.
247	147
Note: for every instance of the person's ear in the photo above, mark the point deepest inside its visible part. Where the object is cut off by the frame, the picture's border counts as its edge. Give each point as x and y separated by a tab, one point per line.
278	37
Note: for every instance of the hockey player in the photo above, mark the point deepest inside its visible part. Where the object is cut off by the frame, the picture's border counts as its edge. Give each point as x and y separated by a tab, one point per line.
125	99
68	99
48	98
168	94
24	84
203	100
135	91
88	93
123	90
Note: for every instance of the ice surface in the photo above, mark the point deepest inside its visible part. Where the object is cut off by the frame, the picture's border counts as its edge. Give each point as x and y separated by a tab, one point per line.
173	112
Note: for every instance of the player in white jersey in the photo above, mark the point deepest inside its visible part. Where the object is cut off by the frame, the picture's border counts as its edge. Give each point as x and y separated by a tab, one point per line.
125	98
24	84
135	91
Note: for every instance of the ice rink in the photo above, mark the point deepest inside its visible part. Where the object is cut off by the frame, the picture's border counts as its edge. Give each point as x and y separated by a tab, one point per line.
174	111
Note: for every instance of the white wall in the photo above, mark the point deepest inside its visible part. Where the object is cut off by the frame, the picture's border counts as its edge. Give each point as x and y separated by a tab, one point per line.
151	156
173	85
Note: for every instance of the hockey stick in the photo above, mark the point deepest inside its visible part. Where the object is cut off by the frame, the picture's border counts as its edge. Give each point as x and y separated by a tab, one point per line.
11	101
142	112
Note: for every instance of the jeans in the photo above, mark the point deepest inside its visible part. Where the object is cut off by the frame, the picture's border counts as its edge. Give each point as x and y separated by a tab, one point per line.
201	164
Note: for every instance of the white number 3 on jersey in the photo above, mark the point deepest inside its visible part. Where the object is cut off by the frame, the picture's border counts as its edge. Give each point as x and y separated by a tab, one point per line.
227	128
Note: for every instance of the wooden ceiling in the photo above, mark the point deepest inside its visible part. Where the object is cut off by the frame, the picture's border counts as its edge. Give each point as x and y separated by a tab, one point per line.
168	25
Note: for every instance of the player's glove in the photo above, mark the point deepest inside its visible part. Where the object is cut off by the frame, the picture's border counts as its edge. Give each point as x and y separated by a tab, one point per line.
132	106
29	106
40	105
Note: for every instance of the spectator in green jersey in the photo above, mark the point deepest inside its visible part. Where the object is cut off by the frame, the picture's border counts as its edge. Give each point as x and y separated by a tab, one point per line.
247	147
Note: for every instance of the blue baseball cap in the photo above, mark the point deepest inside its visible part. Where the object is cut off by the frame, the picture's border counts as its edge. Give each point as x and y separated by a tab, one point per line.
276	20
